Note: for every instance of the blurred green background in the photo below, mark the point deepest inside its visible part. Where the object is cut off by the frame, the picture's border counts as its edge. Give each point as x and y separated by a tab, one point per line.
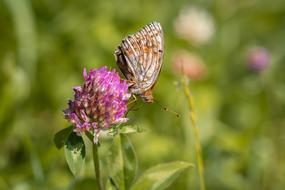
45	44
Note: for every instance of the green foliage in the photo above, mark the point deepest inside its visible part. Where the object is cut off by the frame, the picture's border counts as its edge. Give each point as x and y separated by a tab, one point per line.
129	129
130	161
61	137
84	184
160	176
74	149
122	162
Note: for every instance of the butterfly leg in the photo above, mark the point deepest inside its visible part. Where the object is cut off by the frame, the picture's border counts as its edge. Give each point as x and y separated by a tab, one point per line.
134	100
133	104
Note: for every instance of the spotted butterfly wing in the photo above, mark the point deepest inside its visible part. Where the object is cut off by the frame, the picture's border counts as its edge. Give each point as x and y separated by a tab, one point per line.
139	57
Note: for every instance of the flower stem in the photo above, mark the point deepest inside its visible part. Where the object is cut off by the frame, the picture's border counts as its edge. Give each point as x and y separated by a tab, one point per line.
95	161
196	133
97	166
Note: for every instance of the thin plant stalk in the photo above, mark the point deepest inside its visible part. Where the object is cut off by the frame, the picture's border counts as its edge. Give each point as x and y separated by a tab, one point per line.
95	161
192	116
97	166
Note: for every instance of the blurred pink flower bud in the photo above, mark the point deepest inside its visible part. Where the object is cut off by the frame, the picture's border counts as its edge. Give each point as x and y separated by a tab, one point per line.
189	64
258	58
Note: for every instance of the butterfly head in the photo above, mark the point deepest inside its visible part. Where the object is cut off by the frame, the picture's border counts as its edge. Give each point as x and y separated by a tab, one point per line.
147	97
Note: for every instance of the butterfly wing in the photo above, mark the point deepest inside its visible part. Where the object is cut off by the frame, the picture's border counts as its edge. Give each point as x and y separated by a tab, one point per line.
140	56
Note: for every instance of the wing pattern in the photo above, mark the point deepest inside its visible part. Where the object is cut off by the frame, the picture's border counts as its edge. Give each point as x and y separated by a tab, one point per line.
139	57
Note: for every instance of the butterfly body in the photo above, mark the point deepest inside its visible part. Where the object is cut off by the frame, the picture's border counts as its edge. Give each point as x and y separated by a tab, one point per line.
139	57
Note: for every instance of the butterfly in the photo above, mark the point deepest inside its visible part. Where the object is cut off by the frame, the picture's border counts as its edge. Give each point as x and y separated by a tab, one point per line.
139	57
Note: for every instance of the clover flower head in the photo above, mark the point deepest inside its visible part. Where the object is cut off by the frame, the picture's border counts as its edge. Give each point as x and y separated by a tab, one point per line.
100	103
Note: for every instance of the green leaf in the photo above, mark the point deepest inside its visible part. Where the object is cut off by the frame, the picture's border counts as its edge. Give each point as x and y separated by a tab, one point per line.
160	176
130	160
110	185
122	162
129	129
115	164
61	136
84	184
74	152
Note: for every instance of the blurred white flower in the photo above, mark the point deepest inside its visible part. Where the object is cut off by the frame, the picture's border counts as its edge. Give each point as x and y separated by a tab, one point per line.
195	25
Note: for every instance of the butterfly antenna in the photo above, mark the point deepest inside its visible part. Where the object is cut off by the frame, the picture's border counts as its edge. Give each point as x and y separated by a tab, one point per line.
167	110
